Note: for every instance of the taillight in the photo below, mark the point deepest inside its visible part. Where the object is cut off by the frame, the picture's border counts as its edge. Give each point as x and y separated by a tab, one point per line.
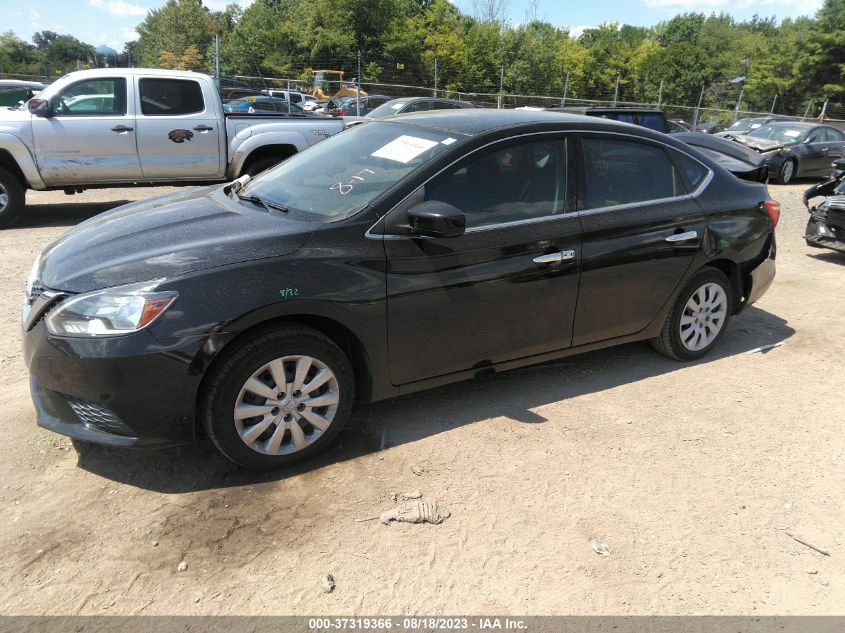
772	208
340	112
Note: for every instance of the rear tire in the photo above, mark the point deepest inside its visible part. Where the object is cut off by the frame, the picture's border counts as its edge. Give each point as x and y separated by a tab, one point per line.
269	375
699	317
12	198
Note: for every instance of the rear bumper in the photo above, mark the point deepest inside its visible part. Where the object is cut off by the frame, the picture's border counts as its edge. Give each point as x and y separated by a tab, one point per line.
763	274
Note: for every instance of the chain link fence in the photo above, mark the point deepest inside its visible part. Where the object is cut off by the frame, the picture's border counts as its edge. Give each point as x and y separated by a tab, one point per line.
405	80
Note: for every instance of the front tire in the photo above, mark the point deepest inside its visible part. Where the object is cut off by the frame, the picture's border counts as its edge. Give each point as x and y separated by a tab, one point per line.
279	398
787	172
699	317
12	198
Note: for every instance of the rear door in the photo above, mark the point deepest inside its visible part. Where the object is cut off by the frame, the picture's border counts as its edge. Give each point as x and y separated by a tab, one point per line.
641	232
90	135
506	288
178	130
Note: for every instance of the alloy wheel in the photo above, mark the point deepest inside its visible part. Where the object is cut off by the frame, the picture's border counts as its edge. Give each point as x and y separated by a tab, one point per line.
4	197
703	317
286	405
787	171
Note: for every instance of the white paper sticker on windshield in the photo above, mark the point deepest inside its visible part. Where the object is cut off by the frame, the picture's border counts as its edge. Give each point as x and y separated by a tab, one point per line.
396	106
404	149
792	133
448	141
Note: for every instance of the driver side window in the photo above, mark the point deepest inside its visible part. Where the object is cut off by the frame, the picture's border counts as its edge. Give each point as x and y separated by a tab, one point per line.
522	181
92	97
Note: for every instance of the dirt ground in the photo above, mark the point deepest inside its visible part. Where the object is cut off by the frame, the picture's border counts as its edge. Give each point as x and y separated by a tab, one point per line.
690	473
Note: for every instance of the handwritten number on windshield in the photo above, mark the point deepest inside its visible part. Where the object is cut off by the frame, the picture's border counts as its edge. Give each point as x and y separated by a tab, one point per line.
344	188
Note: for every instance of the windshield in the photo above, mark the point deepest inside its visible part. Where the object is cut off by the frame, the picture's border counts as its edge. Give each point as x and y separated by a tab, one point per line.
341	175
386	109
746	124
783	133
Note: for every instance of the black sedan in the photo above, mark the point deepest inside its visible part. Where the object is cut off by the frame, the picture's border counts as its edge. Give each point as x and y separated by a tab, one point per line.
795	149
393	257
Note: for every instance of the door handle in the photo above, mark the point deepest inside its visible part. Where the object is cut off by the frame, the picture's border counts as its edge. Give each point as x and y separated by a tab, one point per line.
683	237
121	128
203	128
555	258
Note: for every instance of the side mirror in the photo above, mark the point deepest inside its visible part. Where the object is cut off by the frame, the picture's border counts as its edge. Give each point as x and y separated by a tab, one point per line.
436	219
39	107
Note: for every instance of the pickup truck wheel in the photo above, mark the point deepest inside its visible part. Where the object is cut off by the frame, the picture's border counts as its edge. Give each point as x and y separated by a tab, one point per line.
698	318
12	198
263	164
279	398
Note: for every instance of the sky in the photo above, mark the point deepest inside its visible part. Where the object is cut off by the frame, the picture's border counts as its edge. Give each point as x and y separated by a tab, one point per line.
112	22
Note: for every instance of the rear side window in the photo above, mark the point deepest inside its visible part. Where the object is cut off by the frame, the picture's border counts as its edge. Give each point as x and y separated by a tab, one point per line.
420	106
653	121
832	135
626	172
170	97
693	173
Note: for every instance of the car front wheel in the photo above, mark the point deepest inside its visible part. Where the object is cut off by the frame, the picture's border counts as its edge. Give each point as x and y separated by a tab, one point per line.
280	398
12	198
699	317
787	172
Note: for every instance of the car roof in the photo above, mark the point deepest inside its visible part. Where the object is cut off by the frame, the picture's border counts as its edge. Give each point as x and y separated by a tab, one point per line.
801	125
475	121
606	109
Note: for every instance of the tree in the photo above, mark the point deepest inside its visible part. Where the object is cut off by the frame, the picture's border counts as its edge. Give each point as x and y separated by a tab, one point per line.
173	28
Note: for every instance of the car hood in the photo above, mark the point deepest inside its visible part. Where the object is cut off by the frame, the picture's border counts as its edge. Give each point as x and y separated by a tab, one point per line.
11	120
760	144
167	236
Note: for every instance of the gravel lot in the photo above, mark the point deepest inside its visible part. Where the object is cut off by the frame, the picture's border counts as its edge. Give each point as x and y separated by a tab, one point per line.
688	472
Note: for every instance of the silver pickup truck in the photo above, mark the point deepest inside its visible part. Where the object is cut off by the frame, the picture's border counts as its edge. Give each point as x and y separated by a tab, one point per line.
123	126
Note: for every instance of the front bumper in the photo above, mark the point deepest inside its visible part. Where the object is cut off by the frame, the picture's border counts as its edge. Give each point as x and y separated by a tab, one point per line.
130	391
820	233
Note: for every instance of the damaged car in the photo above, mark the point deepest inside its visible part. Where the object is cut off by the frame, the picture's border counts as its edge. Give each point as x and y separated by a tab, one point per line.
826	226
796	149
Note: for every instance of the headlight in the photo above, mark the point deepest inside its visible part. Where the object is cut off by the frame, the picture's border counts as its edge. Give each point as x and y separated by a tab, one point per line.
109	312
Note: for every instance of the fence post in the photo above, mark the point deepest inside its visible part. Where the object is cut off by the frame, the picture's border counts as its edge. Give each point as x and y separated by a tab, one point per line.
774	101
565	90
217	59
358	88
501	87
435	76
738	102
616	92
698	107
824	110
807	111
660	94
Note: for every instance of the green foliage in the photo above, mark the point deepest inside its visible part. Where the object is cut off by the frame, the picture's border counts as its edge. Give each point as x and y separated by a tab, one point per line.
400	40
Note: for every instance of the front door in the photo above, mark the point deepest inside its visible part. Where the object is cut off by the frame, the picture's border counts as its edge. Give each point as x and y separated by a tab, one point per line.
178	131
89	136
642	231
506	288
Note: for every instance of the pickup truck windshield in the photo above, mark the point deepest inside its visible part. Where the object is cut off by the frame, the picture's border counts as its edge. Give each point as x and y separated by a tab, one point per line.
341	175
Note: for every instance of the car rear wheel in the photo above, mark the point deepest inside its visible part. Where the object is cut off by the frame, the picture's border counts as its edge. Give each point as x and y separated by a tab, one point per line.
699	317
12	198
787	172
280	398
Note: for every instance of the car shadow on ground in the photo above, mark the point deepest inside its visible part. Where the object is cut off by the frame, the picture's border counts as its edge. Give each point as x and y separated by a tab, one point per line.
833	257
67	214
409	418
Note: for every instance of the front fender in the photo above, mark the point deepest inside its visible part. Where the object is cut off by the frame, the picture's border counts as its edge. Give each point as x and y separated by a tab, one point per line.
24	159
250	140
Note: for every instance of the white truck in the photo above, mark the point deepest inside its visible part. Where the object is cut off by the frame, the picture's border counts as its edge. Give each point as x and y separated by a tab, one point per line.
138	126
